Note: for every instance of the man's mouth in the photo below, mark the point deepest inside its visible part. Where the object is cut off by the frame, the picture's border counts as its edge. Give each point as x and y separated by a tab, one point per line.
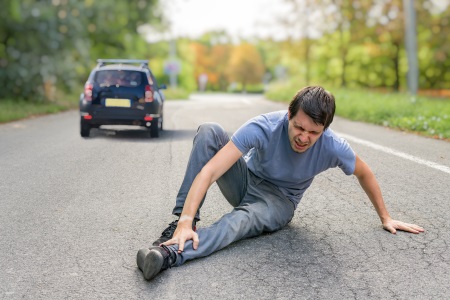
300	145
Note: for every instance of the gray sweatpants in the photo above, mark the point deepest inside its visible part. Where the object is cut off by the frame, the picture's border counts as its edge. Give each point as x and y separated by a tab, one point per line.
259	206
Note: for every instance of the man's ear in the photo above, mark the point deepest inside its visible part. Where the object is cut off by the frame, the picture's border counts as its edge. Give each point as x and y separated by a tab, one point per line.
289	115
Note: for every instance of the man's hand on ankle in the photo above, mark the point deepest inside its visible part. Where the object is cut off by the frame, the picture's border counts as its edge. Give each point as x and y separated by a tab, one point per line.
184	233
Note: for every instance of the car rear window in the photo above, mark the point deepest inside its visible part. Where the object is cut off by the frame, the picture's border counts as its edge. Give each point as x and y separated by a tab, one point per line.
118	77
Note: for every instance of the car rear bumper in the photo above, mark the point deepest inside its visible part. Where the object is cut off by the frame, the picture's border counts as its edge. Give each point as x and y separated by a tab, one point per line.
118	116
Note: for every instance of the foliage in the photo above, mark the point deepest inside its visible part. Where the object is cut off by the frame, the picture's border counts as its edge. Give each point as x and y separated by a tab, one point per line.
211	57
245	65
176	94
224	63
361	43
47	44
283	91
186	80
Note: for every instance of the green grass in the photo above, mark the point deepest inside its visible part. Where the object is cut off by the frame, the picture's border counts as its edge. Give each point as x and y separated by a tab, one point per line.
423	115
176	93
11	110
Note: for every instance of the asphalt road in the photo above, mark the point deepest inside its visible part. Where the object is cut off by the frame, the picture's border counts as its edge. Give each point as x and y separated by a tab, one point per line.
75	211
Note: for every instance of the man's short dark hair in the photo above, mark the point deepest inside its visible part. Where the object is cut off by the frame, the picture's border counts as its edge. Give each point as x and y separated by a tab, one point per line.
316	102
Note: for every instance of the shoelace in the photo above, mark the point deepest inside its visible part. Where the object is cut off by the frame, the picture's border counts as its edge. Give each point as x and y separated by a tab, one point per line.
168	232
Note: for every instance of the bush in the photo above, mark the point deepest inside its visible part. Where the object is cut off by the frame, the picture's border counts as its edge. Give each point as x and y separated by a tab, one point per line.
176	94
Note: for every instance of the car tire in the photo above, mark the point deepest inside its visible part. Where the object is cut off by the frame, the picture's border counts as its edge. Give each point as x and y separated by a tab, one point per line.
85	129
154	128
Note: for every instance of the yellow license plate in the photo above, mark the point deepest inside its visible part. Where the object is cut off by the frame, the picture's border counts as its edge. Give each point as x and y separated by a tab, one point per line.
117	102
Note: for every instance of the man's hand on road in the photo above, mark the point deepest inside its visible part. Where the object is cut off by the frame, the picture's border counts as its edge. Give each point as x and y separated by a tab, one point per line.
393	225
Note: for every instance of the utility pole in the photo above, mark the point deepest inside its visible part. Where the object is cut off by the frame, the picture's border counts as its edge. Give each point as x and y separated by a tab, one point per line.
411	46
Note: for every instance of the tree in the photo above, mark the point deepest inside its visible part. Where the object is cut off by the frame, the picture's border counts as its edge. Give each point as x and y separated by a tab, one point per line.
212	53
302	30
246	65
48	43
434	50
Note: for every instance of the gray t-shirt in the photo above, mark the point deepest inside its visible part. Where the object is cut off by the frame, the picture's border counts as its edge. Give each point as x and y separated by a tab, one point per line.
265	142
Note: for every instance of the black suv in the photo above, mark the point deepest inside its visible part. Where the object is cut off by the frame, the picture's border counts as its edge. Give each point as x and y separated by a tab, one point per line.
122	92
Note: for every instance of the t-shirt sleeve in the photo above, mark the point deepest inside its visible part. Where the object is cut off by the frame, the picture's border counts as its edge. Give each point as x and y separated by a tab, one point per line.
346	157
250	135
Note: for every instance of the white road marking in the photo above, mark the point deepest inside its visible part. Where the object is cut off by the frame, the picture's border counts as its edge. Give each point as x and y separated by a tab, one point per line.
400	154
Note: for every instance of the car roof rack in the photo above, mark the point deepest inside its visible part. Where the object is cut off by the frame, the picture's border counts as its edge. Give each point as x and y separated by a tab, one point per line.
102	62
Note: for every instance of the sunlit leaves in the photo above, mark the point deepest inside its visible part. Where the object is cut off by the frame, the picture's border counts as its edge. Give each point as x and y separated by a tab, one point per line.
246	65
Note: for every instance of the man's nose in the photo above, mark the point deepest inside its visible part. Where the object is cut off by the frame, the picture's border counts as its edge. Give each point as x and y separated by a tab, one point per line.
304	136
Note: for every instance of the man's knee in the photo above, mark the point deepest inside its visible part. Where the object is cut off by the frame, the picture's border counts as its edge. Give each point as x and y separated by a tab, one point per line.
279	217
211	130
210	127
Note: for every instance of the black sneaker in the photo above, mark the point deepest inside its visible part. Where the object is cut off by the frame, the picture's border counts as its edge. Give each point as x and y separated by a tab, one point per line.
167	234
153	260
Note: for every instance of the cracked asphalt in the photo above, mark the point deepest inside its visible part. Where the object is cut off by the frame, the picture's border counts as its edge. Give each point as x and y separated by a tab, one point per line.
74	213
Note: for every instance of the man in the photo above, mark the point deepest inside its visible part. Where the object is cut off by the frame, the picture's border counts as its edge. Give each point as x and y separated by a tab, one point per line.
283	152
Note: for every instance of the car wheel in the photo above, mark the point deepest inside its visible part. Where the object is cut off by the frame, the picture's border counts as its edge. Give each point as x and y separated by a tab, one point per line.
154	128
84	129
161	123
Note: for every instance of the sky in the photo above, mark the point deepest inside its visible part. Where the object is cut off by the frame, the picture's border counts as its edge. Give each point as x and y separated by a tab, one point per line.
240	18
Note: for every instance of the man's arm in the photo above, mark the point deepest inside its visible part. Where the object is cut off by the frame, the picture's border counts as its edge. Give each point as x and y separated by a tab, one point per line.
370	185
216	167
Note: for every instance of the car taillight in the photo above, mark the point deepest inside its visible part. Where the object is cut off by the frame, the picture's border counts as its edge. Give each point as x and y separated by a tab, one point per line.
148	94
88	91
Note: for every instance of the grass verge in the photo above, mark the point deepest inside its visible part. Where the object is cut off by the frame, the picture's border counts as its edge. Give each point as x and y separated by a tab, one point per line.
423	115
176	93
11	110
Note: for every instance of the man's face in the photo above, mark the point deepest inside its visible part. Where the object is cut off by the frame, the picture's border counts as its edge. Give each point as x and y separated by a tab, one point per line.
303	132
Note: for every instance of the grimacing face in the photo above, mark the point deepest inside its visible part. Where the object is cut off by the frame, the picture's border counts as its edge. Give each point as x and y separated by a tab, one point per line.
303	132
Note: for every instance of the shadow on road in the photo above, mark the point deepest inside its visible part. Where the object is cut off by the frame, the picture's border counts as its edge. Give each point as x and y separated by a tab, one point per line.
140	135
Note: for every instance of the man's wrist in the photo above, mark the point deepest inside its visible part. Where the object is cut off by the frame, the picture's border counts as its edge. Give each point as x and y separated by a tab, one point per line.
185	218
385	218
